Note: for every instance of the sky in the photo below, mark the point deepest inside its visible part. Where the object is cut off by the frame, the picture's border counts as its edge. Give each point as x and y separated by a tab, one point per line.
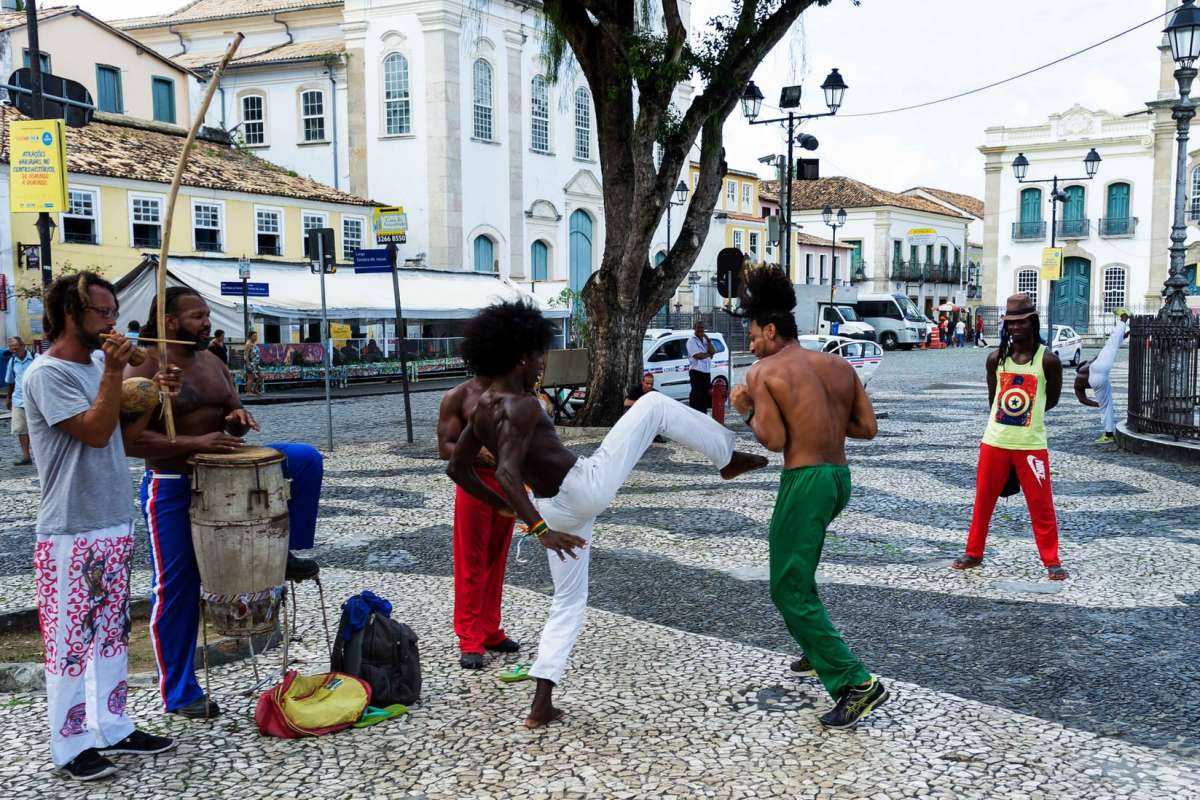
897	52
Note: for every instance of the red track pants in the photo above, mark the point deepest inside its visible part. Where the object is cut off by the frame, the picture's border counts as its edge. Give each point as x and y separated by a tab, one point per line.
481	539
1033	470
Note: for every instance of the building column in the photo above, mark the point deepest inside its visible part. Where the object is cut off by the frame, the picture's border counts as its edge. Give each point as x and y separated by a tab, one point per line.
989	266
443	91
883	243
356	106
1162	210
514	42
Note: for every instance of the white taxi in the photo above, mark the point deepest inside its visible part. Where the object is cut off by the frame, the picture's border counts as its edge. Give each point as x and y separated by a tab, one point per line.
865	357
1068	345
664	355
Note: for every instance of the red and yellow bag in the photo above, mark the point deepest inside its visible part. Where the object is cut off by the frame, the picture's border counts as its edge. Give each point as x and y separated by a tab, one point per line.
311	705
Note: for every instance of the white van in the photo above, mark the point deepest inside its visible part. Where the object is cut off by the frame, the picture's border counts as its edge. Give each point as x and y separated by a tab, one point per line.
847	323
896	320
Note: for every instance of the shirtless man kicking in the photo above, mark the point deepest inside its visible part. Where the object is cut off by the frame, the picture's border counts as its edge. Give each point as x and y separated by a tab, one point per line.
506	343
804	404
209	418
482	535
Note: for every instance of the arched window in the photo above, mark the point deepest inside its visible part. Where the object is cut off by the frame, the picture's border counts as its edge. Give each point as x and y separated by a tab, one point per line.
581	250
539	115
1117	221
660	257
1027	282
254	119
483	100
539	259
1030	226
1195	204
397	109
483	255
583	124
1114	288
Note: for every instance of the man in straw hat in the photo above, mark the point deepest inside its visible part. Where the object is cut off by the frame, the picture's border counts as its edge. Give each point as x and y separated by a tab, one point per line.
1024	382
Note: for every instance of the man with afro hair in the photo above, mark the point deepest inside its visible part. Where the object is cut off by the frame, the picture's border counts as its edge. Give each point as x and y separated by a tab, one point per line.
506	343
804	404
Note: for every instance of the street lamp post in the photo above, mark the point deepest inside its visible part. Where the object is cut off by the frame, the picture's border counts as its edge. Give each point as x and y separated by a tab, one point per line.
678	198
828	216
1091	164
1183	33
834	89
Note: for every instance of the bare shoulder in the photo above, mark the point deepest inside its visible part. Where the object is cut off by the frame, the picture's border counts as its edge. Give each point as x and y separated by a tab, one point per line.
1051	361
522	409
993	359
452	400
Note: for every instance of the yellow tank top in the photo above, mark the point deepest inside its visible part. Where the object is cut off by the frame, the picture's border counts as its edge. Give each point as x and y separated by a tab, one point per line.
1018	417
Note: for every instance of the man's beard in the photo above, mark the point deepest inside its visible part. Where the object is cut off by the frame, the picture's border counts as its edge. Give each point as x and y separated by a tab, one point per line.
91	341
200	341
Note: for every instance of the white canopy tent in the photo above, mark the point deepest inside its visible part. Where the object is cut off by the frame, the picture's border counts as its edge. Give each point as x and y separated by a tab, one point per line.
295	292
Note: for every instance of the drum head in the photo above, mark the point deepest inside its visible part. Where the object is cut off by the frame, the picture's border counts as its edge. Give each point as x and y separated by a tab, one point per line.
247	456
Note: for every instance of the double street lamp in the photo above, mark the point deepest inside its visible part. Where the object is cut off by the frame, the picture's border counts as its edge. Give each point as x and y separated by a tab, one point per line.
1020	167
828	215
834	89
1183	34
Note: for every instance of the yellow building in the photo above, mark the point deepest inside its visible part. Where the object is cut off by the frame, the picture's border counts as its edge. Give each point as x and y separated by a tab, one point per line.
232	204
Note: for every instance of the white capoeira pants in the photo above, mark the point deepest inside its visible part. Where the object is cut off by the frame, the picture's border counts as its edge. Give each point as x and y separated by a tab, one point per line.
82	584
1099	376
590	487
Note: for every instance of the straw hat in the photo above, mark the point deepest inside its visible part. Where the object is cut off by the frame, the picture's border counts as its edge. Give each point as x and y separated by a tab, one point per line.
1019	306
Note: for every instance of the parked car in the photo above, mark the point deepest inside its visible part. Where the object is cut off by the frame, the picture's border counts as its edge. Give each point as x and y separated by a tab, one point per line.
664	354
1068	345
865	357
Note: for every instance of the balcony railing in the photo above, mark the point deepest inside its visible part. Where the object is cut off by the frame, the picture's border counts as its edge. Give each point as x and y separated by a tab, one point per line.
917	272
1074	228
1028	231
906	271
1115	227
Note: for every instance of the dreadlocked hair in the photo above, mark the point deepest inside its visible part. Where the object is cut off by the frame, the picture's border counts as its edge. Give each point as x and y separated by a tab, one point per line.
67	298
768	298
150	329
499	336
1005	348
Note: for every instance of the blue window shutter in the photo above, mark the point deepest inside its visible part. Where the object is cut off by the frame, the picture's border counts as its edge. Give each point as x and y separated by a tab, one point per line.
581	250
1031	205
163	92
539	256
1118	201
483	254
1073	208
108	90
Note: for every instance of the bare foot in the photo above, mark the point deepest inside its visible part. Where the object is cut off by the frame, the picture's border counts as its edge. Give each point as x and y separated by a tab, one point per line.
740	463
543	711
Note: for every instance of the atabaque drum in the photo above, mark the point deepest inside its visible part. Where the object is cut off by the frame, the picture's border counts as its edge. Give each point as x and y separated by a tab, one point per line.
240	535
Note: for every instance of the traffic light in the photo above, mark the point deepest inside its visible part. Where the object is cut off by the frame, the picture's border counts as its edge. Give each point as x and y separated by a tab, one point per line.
320	241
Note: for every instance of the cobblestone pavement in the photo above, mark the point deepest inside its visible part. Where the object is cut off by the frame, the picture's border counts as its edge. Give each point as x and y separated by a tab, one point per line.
1004	685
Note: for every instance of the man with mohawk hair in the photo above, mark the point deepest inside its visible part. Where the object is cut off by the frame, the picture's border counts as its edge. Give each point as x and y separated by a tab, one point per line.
804	404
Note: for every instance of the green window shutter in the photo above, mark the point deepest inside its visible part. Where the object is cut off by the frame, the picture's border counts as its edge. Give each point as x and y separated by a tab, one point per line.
1031	205
1073	208
483	254
1118	201
537	254
163	95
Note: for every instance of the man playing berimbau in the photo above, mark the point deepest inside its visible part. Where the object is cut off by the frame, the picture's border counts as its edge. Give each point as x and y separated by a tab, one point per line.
506	342
804	404
209	418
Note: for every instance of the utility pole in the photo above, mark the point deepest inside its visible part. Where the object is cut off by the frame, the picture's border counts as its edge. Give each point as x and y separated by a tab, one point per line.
44	224
400	336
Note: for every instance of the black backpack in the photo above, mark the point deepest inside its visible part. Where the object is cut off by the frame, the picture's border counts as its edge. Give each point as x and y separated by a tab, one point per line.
384	654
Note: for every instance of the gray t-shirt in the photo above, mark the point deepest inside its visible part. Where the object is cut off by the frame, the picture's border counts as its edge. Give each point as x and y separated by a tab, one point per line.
83	488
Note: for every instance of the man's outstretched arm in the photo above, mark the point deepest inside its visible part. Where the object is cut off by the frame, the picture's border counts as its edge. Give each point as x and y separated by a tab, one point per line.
462	470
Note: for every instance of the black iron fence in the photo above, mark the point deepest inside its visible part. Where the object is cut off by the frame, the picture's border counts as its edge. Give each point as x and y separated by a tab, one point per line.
734	329
1164	396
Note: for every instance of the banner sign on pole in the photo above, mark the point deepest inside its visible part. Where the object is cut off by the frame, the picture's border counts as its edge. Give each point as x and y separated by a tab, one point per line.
38	169
244	269
374	259
1052	258
391	225
234	289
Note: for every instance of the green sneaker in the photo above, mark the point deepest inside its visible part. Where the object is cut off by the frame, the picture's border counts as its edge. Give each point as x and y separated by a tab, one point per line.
1104	438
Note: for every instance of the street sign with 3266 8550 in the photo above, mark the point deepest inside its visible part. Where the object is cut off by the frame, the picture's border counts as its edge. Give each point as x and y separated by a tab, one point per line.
391	225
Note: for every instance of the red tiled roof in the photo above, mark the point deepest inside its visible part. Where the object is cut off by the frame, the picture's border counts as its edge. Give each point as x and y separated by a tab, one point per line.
965	202
842	192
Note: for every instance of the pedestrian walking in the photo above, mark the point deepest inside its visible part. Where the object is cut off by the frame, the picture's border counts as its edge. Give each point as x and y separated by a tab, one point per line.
84	545
700	350
960	334
252	364
1097	374
979	340
218	348
806	404
14	373
1024	382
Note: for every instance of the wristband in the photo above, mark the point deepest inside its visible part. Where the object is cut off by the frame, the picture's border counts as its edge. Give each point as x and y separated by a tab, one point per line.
537	528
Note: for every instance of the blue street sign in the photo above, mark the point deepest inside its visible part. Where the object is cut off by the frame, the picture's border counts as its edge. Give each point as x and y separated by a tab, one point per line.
374	259
234	289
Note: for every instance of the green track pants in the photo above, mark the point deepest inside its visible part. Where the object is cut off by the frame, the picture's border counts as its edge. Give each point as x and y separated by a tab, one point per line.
809	499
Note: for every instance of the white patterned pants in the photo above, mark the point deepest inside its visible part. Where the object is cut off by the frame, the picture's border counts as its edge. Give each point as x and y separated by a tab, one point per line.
82	583
1099	377
590	487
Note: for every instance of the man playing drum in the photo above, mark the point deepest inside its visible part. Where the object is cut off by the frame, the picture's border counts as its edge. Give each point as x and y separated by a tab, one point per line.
209	418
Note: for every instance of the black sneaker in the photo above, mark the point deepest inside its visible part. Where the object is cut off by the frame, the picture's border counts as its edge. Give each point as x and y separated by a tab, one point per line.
803	666
471	661
506	646
139	743
89	766
854	705
301	569
201	709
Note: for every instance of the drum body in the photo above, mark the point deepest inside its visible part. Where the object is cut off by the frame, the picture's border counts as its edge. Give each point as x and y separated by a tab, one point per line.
240	535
